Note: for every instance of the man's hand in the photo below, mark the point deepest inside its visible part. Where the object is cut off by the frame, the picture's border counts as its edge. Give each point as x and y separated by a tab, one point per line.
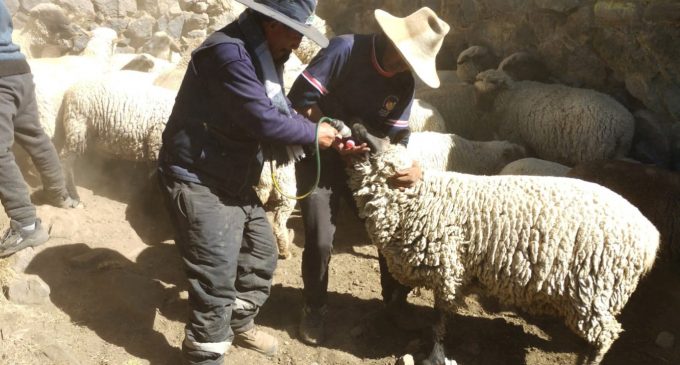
347	151
407	178
326	135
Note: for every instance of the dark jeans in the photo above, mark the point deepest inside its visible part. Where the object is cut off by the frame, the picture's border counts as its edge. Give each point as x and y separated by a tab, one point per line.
229	255
19	121
319	215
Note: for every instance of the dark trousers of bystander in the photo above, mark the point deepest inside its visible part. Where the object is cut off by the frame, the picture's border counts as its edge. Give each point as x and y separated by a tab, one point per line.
319	216
19	122
229	256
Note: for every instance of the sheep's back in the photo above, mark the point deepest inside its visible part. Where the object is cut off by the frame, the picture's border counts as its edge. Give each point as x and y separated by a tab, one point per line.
117	112
545	243
654	191
563	124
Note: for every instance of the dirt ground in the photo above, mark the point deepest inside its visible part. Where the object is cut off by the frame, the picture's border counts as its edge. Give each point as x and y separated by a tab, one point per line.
118	297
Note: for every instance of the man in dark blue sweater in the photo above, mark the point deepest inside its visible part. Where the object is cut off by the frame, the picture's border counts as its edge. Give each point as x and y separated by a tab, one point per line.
366	78
231	102
19	121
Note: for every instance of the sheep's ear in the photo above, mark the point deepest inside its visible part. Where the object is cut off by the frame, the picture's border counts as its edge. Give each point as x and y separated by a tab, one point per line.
362	135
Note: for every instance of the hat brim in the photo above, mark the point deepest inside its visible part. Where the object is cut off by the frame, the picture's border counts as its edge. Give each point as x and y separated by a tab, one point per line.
424	67
307	30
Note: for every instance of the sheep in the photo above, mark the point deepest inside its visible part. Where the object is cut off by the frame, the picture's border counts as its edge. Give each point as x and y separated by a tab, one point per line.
425	117
547	245
653	190
472	61
456	103
449	152
118	120
535	167
52	76
558	123
48	32
278	204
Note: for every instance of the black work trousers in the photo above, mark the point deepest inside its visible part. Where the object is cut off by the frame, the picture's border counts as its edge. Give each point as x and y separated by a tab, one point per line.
319	216
229	255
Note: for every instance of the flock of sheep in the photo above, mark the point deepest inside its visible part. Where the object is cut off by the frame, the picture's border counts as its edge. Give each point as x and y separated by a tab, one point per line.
547	244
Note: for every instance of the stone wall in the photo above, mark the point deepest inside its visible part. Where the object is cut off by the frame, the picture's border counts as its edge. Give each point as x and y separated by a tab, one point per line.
628	49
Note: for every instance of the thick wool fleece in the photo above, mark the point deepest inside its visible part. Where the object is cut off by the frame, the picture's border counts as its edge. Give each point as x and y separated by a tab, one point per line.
547	245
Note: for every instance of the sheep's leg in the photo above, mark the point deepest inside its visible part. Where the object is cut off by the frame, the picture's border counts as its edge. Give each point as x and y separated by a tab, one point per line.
605	331
438	354
282	211
68	165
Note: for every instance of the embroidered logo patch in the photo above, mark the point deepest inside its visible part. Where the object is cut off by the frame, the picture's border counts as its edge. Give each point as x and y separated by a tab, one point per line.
388	105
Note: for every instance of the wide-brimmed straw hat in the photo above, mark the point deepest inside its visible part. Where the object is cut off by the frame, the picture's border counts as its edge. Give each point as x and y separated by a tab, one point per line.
297	14
418	37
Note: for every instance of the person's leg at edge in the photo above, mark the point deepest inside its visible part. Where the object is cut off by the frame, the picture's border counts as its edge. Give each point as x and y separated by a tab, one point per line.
13	190
31	136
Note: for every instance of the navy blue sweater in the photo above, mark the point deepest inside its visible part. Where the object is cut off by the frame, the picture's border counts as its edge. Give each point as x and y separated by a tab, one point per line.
12	61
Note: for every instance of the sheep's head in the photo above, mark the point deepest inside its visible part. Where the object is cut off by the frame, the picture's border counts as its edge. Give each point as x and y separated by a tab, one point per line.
472	61
487	86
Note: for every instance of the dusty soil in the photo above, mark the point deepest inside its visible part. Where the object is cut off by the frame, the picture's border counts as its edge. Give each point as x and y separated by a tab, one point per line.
118	297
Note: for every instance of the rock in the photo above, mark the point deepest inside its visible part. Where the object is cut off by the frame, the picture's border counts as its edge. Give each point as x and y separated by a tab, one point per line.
140	30
114	8
22	259
195	22
28	289
83	8
665	340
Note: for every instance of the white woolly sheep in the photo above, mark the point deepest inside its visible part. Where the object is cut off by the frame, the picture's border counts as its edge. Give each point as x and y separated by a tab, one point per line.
653	190
47	33
449	152
474	60
455	102
275	202
425	117
117	120
52	76
534	167
547	245
557	123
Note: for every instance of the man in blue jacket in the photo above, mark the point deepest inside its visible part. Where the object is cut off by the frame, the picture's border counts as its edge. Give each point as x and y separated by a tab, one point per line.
19	121
366	78
229	104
